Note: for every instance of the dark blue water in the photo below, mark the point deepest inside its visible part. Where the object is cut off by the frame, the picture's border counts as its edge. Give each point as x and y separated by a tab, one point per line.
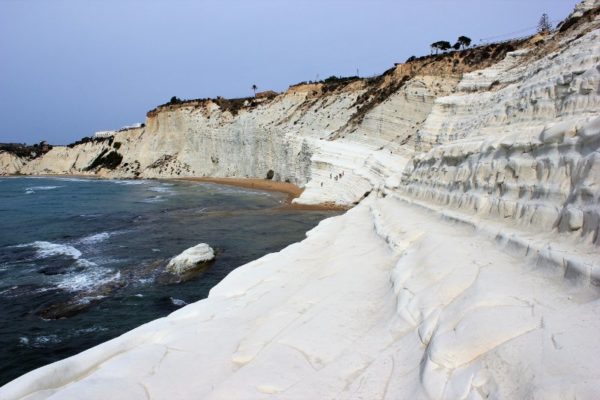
82	261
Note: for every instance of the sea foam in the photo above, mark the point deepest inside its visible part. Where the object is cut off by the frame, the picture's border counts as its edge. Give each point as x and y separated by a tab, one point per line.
49	249
33	189
96	238
89	279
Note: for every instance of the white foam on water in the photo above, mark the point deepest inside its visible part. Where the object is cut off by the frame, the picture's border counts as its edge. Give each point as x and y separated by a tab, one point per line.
12	291
90	279
33	189
235	190
96	238
39	341
8	290
162	189
129	182
91	329
82	262
76	180
154	199
89	299
90	215
46	339
145	281
49	249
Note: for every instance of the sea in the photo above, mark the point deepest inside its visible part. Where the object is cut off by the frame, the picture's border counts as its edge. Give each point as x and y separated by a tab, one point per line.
83	260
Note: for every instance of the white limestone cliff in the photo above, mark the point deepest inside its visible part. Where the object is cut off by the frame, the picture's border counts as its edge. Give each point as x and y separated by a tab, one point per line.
469	269
9	163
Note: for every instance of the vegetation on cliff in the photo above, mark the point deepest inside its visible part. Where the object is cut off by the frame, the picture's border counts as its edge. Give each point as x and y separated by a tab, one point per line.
88	139
106	159
26	151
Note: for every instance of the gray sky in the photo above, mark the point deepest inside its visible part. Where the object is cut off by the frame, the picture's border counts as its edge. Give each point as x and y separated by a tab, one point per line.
69	68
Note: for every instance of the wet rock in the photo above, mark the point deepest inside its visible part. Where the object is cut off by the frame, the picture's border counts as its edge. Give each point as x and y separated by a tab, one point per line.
191	259
68	308
80	302
59	269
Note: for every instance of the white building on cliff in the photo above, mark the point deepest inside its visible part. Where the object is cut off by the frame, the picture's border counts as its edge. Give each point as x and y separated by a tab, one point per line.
104	134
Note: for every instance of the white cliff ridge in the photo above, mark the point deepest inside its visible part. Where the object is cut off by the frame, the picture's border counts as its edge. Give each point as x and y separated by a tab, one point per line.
469	267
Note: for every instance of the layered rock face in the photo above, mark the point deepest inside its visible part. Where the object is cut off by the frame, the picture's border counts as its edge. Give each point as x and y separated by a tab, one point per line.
468	269
9	163
526	152
200	139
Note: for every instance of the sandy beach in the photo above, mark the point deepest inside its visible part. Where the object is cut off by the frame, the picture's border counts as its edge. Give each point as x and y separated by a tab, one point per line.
290	189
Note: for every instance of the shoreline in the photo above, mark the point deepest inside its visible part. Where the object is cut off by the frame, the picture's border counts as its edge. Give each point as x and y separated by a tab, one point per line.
292	191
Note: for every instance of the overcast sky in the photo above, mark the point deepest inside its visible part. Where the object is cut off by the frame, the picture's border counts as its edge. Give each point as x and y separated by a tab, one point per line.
69	68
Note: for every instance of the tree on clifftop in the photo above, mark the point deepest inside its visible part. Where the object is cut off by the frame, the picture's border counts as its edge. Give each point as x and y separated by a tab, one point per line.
441	45
464	41
254	87
544	26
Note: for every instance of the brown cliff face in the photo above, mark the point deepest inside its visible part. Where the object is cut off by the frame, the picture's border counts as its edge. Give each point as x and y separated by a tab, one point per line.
378	88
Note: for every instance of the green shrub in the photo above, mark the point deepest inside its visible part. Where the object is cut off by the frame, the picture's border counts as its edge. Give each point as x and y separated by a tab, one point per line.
106	160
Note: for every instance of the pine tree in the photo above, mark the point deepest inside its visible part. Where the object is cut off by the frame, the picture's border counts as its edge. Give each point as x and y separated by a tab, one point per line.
464	41
441	45
544	25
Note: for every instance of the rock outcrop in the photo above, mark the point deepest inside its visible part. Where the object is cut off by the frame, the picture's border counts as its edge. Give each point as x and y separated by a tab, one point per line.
469	267
10	164
190	259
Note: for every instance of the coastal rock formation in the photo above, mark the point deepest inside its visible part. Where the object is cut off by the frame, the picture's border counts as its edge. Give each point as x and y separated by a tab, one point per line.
10	164
468	268
190	258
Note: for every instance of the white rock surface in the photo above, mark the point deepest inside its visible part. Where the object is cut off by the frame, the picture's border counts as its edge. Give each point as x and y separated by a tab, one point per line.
9	163
190	258
471	270
386	301
584	6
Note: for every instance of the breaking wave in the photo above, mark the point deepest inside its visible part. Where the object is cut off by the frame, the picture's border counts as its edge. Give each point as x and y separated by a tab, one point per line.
88	279
128	182
49	249
33	189
165	188
154	199
96	238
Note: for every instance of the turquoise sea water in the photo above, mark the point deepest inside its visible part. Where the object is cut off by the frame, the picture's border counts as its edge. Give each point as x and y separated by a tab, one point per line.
82	261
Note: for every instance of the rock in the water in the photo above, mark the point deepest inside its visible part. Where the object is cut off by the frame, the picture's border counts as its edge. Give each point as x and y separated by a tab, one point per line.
190	259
